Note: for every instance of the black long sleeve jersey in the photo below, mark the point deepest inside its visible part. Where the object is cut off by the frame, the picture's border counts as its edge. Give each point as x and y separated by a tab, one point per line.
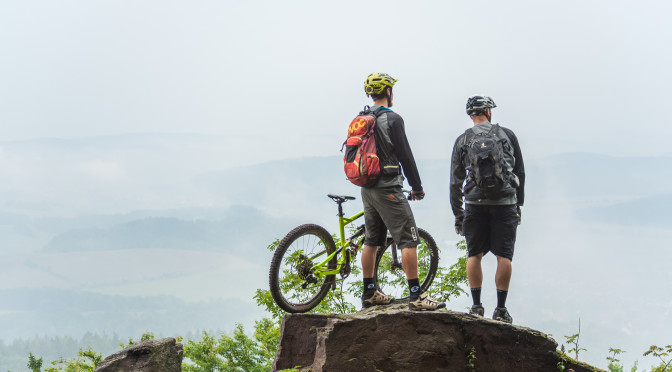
393	149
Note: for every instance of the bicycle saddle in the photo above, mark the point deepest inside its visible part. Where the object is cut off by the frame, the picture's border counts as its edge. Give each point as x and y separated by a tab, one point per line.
340	198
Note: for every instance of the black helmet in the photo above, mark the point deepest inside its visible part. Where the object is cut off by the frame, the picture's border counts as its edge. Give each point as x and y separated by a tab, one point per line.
478	104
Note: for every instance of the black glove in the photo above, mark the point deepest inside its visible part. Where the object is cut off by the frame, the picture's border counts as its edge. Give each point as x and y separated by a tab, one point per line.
520	214
459	230
417	195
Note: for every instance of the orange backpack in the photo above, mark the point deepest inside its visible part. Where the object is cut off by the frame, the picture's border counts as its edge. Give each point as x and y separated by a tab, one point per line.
361	163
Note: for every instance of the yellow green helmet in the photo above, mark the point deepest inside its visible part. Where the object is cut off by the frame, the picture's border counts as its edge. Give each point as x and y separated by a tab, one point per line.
376	83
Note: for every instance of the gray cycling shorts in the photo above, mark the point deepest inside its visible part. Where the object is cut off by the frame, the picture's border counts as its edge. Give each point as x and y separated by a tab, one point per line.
387	209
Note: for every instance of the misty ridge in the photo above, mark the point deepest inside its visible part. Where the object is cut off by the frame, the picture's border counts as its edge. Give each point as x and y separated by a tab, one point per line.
238	226
175	229
107	177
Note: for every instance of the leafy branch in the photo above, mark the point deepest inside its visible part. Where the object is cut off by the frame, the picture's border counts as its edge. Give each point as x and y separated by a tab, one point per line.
662	353
574	341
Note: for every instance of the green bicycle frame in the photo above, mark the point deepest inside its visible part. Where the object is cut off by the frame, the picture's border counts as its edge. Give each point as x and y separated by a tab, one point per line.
344	221
342	243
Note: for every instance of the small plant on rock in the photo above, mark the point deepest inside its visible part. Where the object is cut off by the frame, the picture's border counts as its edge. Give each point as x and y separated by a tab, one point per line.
573	341
471	360
615	364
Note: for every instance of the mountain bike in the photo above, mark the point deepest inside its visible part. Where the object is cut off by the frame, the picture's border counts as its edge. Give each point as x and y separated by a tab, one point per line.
308	260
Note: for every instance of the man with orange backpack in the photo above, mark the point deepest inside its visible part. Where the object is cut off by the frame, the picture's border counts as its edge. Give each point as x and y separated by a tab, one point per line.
385	205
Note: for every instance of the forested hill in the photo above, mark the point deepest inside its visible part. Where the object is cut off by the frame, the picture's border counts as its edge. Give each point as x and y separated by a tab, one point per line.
174	261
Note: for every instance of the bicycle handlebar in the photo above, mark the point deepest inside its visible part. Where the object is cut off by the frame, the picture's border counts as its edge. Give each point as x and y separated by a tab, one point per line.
414	196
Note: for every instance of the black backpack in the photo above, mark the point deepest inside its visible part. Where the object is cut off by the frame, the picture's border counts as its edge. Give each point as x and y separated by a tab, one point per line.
486	166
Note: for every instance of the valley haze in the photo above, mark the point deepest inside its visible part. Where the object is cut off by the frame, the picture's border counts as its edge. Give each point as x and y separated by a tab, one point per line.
191	258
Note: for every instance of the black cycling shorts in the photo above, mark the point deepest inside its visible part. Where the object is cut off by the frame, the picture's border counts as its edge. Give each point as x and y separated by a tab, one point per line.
490	228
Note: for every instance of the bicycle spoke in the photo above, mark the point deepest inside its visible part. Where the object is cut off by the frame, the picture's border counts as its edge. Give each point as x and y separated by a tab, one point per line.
296	284
391	279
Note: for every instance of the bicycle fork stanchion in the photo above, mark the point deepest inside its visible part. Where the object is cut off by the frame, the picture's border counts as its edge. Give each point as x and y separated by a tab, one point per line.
395	264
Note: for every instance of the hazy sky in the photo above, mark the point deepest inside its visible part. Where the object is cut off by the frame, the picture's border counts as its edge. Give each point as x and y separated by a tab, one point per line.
589	73
282	79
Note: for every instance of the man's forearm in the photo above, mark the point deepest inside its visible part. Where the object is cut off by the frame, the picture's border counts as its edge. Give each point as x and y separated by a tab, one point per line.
456	202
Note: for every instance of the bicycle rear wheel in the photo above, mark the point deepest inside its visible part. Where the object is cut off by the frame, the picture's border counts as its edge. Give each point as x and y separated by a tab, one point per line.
391	279
295	286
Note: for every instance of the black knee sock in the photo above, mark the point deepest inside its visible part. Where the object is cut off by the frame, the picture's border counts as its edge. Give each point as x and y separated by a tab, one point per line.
501	298
476	295
369	287
414	287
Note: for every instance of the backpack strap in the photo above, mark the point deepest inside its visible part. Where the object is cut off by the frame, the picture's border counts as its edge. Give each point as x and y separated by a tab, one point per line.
380	110
464	149
468	135
366	110
505	139
494	129
376	112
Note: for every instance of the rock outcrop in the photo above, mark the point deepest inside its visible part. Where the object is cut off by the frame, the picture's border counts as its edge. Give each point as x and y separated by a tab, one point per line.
162	355
393	338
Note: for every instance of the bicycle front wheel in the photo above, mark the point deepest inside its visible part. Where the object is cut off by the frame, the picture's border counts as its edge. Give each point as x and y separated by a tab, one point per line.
297	286
389	276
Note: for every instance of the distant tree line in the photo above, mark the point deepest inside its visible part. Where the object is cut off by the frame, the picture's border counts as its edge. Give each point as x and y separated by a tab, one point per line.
239	352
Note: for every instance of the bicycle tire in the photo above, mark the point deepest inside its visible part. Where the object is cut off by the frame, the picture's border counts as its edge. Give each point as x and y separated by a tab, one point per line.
293	285
392	281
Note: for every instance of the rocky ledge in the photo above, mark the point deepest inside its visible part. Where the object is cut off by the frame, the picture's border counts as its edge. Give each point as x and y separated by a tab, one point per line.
392	338
162	355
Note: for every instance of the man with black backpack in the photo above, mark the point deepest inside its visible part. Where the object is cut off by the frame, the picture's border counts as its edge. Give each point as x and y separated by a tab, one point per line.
489	159
385	205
